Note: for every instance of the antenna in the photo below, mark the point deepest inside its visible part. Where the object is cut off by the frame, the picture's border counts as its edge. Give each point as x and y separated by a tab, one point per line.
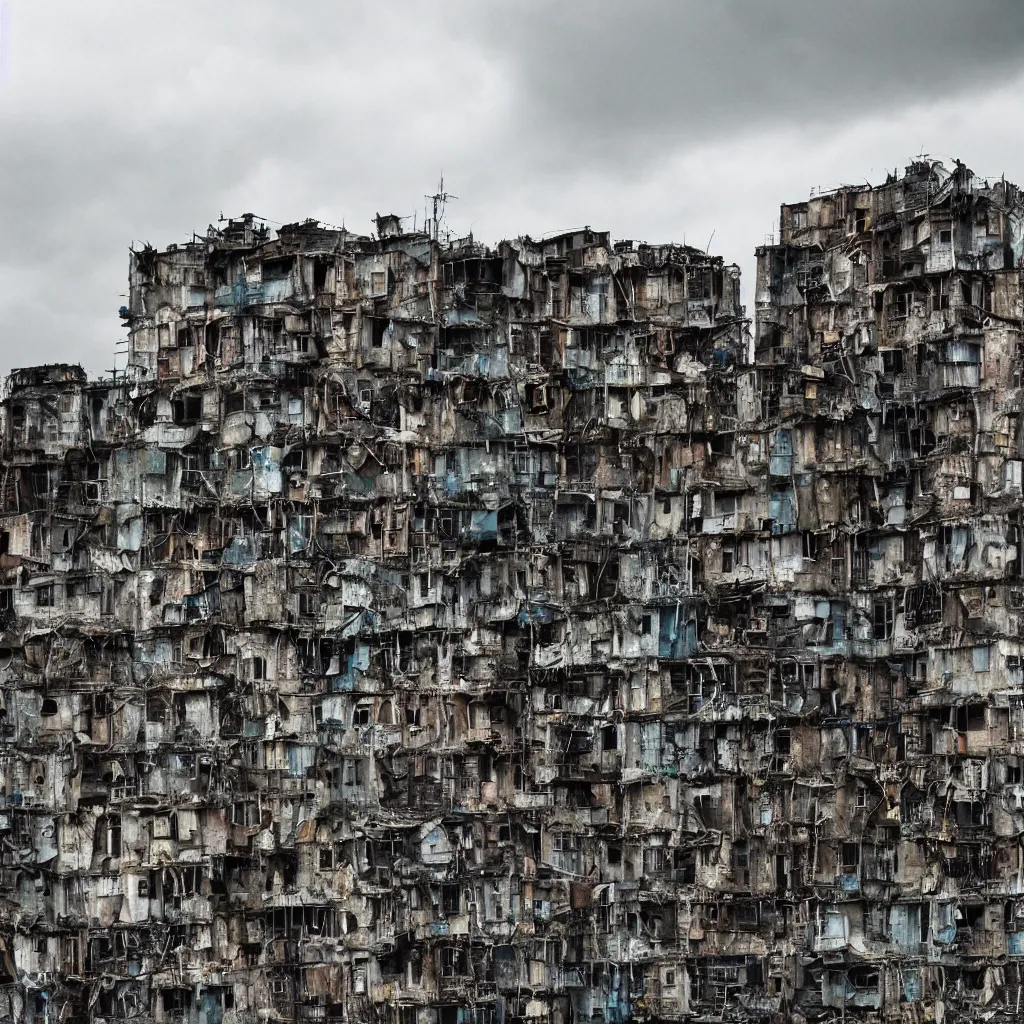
439	198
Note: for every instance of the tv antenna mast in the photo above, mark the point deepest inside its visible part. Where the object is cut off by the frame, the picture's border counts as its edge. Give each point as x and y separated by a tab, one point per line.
439	198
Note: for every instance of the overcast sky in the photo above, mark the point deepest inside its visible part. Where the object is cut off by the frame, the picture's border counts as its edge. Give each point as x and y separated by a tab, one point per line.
126	120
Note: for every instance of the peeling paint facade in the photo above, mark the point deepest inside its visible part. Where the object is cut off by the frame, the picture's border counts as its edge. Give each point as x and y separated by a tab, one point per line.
427	633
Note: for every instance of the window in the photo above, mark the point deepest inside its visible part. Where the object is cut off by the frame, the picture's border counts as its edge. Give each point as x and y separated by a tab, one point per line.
451	962
565	851
864	980
537	398
850	857
882	620
892	360
980	658
940	294
417	715
378	328
654	860
945	237
451	899
725	504
747	916
113	837
245	813
45	596
176	999
187	409
862	740
40	540
698	283
354	772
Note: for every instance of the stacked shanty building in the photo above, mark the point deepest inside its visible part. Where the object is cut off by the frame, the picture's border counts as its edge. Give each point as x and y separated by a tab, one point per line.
425	633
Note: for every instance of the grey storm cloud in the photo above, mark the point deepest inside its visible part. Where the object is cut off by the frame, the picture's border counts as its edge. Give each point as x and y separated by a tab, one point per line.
128	121
610	70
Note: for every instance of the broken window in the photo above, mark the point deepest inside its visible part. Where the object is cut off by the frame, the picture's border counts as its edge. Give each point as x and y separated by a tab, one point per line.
187	409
